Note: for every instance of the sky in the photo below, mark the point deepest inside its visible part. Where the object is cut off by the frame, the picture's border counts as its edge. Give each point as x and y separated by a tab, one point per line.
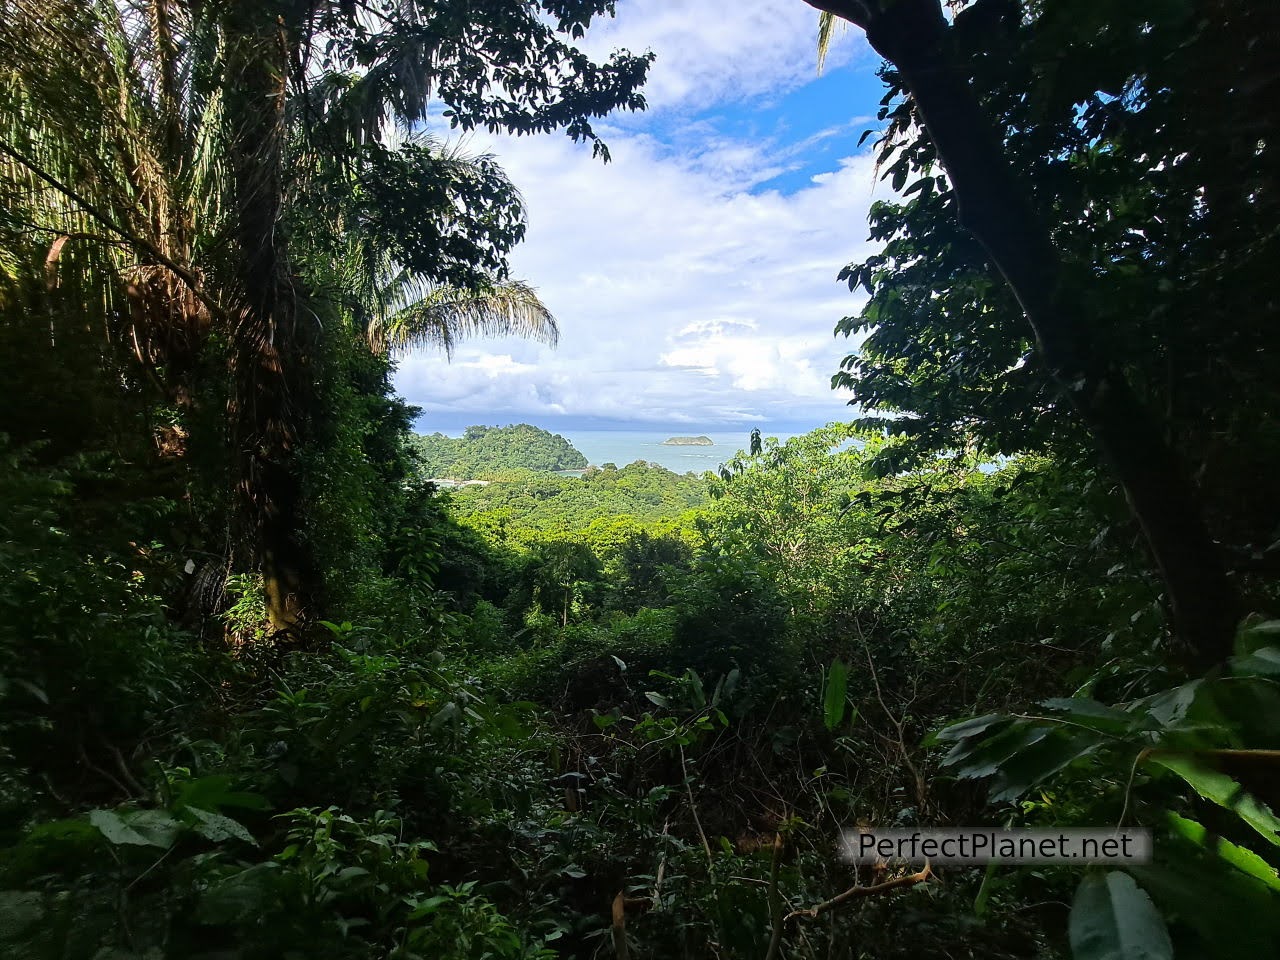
693	278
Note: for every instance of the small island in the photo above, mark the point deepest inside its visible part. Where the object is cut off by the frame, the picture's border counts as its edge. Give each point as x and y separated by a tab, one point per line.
689	442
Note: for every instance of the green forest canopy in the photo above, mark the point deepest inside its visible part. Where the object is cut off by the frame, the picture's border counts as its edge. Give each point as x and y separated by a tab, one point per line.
645	494
482	452
266	692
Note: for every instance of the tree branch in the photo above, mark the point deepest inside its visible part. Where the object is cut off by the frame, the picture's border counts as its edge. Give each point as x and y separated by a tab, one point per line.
857	893
855	11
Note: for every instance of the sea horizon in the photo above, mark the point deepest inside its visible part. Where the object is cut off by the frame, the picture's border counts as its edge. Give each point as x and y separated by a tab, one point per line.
621	446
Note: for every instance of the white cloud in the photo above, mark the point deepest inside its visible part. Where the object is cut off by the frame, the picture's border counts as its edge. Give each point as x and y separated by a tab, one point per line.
709	53
684	292
497	365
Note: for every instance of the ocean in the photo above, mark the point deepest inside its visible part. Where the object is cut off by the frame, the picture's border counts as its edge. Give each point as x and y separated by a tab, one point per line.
621	447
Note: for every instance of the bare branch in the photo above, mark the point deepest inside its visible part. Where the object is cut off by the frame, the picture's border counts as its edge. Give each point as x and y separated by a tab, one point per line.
857	893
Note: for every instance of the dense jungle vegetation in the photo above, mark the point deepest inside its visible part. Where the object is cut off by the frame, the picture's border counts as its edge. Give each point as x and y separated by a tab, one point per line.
482	453
265	692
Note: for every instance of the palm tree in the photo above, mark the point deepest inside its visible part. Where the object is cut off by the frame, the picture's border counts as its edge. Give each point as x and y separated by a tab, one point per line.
109	161
180	198
205	161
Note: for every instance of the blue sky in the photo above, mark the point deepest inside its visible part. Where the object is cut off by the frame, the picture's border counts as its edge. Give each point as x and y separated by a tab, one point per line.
693	277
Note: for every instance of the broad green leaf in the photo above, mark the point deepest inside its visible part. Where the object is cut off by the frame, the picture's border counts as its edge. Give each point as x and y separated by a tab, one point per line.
450	711
156	826
836	694
1256	637
1264	661
71	830
1090	713
731	682
215	791
1037	762
1234	914
1113	919
216	827
1171	706
1239	857
35	691
984	891
969	760
965	728
112	826
428	907
1224	791
1249	707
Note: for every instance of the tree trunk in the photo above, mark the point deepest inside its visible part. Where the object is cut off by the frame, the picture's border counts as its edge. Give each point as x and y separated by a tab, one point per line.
996	209
269	345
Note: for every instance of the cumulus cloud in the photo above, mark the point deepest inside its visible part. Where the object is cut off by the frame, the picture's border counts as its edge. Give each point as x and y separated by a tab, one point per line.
712	53
686	290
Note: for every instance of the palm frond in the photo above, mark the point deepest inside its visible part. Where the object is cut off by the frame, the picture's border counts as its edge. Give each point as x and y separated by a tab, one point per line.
442	316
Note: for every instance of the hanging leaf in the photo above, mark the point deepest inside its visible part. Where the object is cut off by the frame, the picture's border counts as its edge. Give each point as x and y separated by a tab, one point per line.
1112	918
965	728
1090	713
984	891
835	696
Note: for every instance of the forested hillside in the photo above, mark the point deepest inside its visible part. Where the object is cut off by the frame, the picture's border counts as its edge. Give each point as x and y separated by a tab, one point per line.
523	505
267	692
484	452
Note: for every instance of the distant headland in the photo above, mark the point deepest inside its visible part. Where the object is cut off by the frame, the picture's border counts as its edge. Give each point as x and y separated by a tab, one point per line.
689	442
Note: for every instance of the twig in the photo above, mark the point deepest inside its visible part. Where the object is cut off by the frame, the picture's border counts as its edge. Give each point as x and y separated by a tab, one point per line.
693	808
123	767
144	873
89	764
857	893
776	917
1238	754
662	866
921	797
1128	789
